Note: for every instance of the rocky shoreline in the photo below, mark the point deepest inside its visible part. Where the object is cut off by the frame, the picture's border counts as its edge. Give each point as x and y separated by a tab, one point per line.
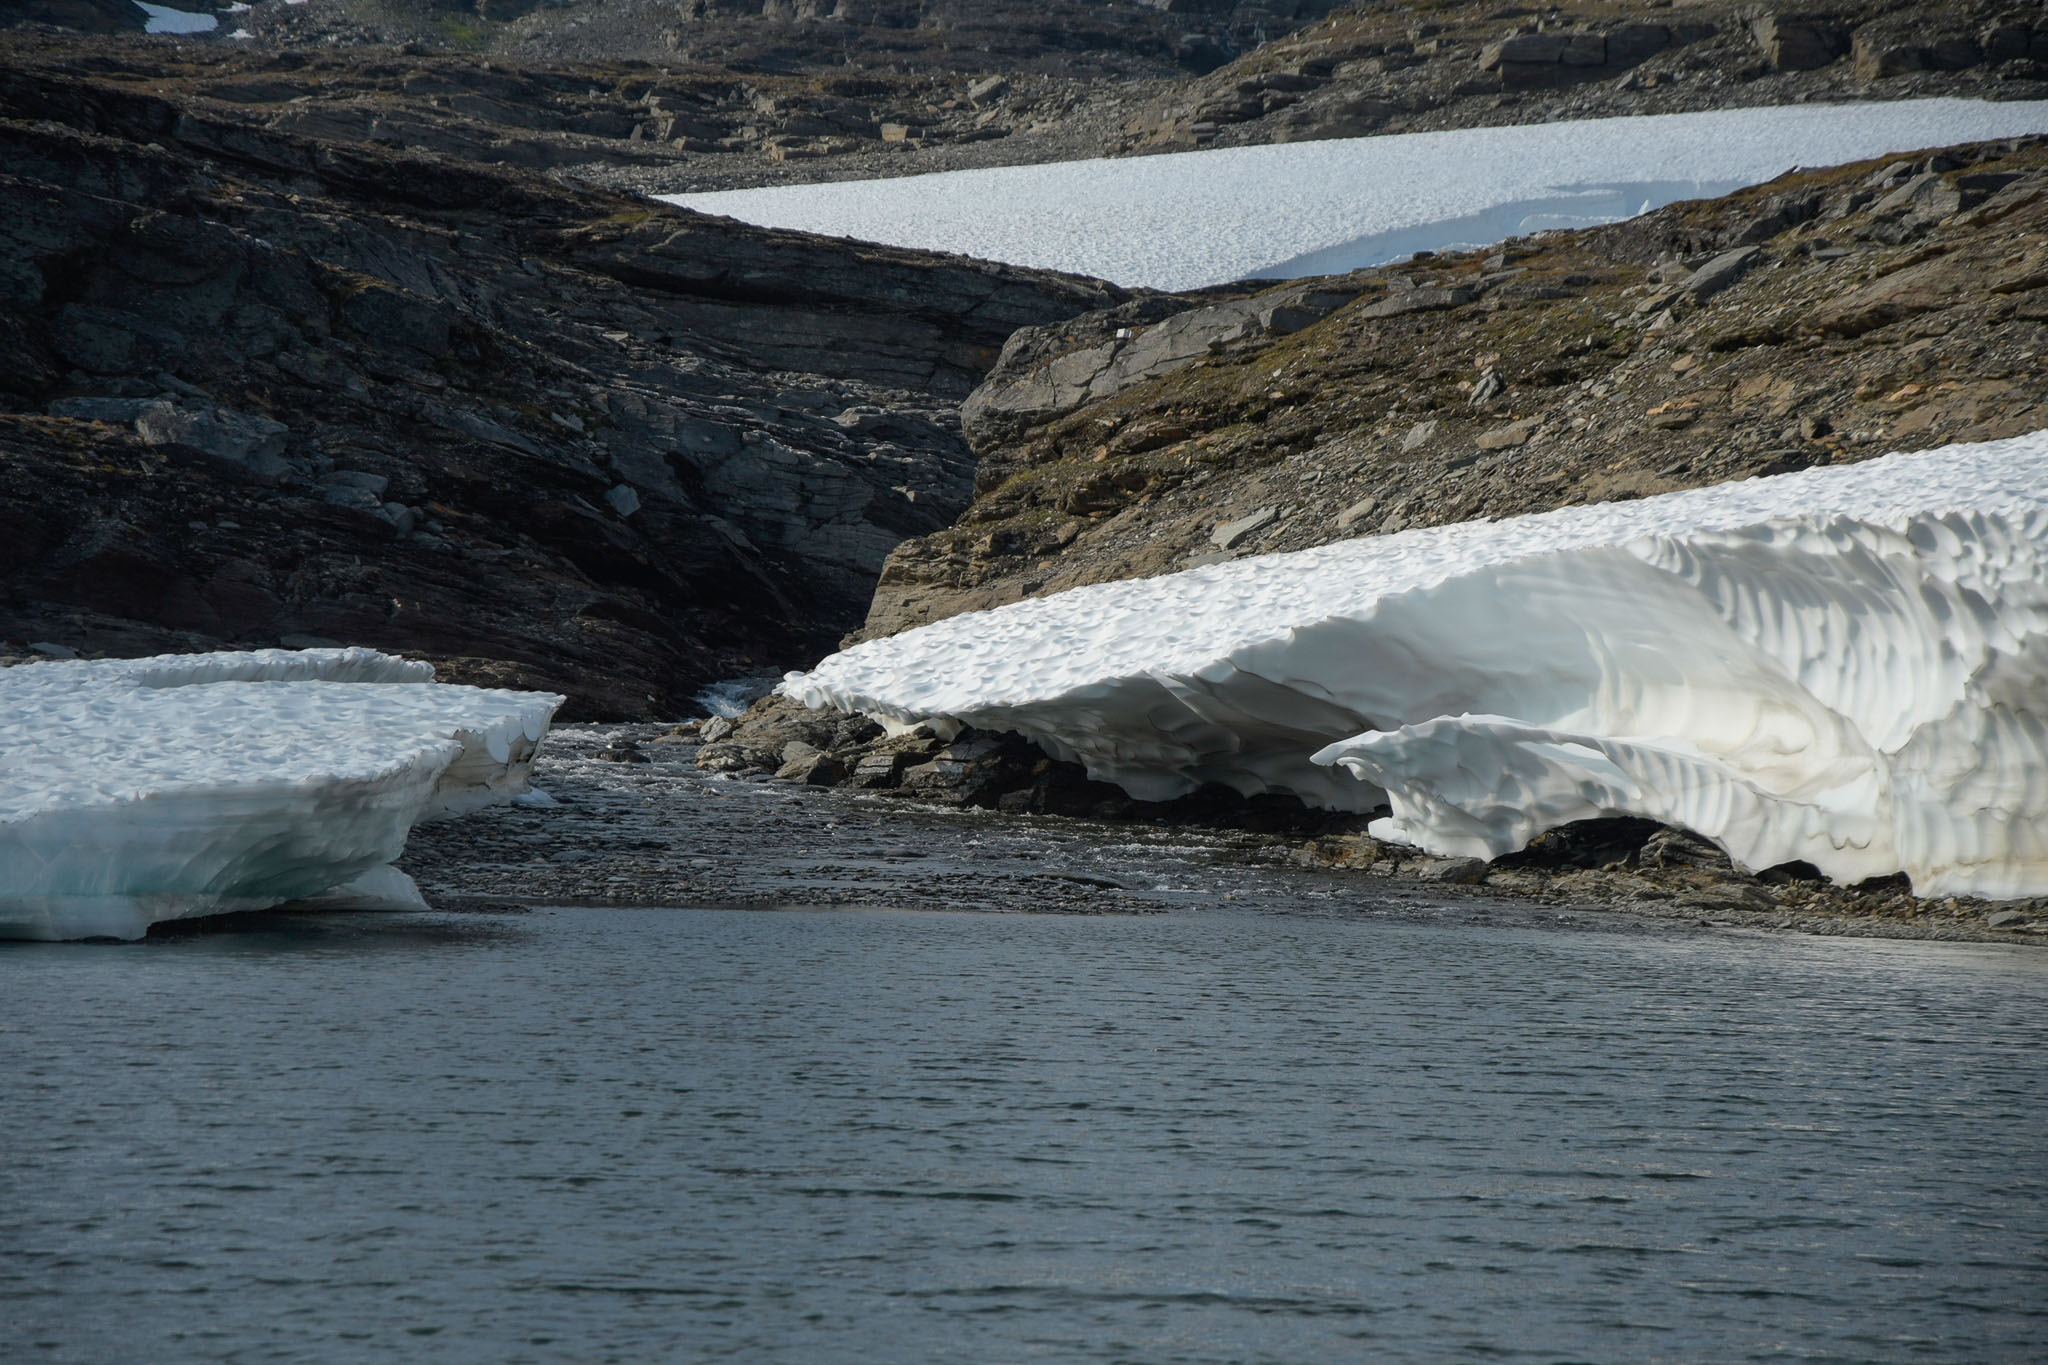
644	817
339	336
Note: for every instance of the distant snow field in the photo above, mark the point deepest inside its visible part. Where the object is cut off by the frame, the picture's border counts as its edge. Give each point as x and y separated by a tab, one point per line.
139	790
1846	666
1190	219
164	19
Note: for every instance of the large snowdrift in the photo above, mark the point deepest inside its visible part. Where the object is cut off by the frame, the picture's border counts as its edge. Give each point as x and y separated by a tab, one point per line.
1847	666
139	790
1314	208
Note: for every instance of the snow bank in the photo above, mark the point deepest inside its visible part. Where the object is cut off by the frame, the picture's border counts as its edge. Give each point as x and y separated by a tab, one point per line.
138	790
1847	666
1312	208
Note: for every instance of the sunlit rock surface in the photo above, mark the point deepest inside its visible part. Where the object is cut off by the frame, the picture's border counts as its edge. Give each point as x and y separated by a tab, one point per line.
1847	666
139	790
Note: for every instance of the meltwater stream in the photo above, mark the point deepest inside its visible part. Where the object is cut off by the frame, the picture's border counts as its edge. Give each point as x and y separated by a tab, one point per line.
1205	1135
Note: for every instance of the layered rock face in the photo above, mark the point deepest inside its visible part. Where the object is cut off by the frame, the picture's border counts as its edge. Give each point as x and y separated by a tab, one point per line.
262	388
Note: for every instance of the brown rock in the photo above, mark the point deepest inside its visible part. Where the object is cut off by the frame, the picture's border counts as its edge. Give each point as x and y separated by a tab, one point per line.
1799	43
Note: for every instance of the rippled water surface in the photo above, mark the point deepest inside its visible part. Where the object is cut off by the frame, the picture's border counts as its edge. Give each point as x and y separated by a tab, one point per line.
1203	1136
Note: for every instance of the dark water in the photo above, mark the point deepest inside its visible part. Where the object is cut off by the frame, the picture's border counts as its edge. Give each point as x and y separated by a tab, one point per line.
591	1135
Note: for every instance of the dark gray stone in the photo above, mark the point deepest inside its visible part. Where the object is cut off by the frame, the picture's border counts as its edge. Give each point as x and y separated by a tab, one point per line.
1721	272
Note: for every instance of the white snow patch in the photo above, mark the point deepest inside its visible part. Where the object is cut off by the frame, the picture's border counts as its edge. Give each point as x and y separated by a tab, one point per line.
1190	219
1847	666
139	790
164	19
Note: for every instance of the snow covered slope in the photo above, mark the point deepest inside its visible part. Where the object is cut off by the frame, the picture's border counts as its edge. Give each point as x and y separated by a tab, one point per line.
1847	666
139	790
1314	208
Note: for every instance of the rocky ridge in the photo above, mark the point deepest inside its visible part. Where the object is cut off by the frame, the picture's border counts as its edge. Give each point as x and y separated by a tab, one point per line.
263	387
781	94
1398	68
1097	39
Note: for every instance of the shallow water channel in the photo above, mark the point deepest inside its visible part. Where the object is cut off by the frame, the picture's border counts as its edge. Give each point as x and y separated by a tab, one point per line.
1236	1133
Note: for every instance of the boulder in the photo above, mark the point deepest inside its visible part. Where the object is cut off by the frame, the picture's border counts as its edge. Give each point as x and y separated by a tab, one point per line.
1799	42
1424	300
878	770
813	770
1231	534
1883	50
1039	377
1454	872
1927	195
1721	272
1507	437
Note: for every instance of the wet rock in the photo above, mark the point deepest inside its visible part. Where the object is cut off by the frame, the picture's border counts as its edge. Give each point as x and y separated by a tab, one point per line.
1729	896
736	758
1454	871
879	770
812	770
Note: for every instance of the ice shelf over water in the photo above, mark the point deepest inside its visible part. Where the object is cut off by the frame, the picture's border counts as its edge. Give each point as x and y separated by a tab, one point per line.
1190	219
139	790
1847	666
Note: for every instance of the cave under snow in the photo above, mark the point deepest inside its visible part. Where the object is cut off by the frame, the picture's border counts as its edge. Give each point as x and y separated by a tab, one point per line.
1846	666
140	790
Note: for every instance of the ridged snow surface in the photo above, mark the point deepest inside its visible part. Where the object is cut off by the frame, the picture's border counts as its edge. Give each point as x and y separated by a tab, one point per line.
1847	666
1315	208
138	790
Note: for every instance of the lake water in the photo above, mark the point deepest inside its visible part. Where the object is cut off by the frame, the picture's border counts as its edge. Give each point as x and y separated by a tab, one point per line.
1208	1135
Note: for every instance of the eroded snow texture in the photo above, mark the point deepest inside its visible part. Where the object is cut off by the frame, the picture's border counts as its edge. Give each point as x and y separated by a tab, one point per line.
1847	666
139	790
1190	219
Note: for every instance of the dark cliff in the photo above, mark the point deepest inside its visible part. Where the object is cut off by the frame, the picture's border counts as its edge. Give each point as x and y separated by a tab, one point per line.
261	388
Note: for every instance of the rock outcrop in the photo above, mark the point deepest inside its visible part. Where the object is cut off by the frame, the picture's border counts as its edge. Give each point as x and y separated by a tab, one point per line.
263	388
